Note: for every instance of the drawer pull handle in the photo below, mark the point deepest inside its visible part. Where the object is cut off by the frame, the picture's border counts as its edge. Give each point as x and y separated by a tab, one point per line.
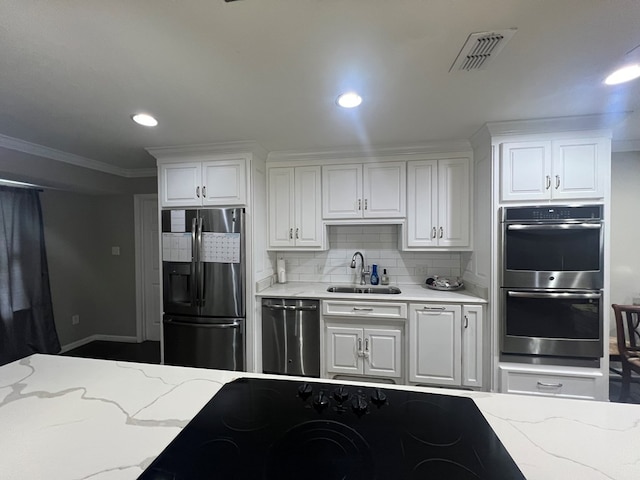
363	309
549	385
466	322
360	352
439	309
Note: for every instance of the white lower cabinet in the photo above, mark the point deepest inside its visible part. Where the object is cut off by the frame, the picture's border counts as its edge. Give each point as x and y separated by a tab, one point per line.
445	344
368	350
551	381
364	338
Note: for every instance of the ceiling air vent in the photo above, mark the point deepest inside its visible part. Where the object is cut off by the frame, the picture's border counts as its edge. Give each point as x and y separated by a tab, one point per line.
480	48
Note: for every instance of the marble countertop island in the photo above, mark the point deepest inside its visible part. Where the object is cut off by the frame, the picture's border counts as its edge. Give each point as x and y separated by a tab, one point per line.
71	418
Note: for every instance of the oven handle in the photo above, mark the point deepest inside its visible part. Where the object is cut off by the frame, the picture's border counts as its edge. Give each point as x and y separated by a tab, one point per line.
555	226
570	295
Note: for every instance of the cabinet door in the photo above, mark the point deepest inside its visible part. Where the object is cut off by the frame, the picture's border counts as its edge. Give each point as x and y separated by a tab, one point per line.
472	353
344	348
453	202
579	168
384	189
382	352
434	344
308	209
422	210
224	182
281	207
180	184
342	191
525	171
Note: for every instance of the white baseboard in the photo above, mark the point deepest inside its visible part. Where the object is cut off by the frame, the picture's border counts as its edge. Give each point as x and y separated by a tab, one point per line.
91	338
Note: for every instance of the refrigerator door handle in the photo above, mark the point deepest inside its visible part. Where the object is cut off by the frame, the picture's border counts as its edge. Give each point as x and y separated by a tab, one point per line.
194	263
200	266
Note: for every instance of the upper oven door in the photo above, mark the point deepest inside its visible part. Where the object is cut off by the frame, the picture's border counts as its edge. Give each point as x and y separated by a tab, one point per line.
552	255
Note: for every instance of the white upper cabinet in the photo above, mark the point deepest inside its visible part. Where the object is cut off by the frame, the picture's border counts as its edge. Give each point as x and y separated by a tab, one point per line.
438	214
217	182
557	169
370	190
295	218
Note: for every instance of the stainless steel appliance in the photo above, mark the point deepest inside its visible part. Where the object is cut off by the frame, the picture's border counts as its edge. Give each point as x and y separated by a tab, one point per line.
288	430
203	273
291	336
552	278
553	247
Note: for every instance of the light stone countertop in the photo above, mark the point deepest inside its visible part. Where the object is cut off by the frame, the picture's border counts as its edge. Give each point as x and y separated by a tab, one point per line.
410	293
67	418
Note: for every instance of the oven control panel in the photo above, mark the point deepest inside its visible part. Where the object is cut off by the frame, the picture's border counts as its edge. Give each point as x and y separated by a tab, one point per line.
552	213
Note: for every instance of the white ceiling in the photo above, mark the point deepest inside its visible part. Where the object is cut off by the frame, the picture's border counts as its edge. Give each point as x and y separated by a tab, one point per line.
73	71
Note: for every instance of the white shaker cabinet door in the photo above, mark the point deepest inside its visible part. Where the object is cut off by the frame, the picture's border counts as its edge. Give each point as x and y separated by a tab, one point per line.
180	184
308	208
224	182
281	207
342	191
382	352
579	167
384	190
435	344
344	347
453	202
525	170
472	346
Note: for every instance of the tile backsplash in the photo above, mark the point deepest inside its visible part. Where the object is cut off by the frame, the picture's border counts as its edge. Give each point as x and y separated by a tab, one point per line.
379	245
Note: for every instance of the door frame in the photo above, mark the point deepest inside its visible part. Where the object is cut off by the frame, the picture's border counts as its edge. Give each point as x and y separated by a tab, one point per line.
139	228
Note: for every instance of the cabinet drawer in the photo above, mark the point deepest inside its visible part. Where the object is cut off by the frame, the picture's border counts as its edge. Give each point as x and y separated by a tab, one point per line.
337	308
550	384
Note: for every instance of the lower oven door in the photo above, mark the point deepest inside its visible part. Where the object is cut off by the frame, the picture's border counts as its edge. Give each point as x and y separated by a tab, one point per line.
558	323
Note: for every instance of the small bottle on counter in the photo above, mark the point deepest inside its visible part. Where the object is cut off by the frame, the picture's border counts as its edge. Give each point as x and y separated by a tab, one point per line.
384	279
374	275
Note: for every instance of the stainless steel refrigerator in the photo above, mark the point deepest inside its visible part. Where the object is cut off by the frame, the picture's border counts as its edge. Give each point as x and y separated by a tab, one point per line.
203	271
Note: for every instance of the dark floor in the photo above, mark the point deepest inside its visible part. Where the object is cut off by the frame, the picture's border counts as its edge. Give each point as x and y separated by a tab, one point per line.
149	352
145	352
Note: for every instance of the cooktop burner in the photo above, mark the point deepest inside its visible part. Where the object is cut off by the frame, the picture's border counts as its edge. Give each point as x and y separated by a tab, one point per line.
283	429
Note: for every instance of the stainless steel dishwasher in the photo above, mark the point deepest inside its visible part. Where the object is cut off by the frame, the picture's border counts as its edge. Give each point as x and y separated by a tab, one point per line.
291	336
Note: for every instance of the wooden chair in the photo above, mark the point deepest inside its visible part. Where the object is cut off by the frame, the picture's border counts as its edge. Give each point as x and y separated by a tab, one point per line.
628	340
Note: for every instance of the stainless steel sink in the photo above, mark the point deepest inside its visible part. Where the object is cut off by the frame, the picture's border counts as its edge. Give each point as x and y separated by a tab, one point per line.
363	289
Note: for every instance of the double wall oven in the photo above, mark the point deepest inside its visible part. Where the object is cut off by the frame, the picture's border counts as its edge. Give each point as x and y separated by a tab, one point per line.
551	284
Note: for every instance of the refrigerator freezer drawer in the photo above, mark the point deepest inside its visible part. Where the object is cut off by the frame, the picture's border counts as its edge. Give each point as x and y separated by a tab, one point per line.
195	343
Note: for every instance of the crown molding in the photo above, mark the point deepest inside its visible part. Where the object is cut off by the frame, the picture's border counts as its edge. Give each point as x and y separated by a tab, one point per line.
23	146
355	152
186	151
593	122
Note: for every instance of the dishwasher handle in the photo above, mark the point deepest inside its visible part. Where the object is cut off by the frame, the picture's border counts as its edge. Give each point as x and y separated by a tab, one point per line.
292	307
234	324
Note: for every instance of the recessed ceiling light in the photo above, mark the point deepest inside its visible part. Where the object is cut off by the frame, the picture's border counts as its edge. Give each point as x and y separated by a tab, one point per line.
624	74
349	100
144	119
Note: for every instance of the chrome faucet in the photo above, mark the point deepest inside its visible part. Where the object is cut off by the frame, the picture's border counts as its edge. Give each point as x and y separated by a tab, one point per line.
363	272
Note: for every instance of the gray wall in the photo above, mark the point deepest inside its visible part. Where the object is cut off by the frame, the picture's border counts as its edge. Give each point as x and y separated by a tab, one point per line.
86	279
625	227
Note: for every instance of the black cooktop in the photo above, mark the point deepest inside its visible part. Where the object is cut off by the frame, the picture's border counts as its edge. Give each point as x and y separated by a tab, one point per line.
284	429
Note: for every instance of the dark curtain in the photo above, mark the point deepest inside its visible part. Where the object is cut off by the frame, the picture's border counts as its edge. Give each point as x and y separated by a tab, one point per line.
26	312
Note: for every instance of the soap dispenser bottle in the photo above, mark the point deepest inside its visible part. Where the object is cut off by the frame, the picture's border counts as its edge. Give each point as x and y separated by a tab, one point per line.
374	275
384	279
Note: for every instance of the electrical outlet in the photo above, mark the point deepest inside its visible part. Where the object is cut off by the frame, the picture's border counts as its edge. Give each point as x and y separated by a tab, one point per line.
75	319
421	270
